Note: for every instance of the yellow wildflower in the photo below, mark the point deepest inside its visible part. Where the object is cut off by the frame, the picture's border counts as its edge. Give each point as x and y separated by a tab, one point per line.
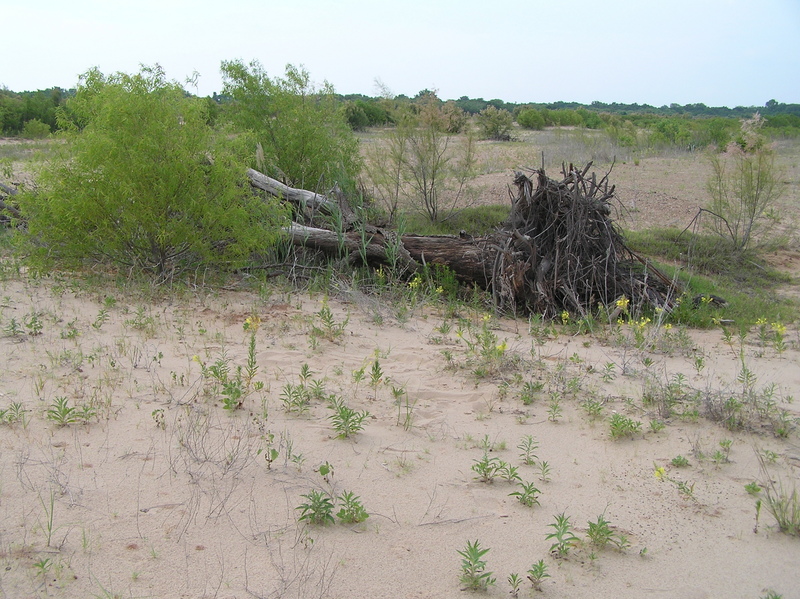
622	303
660	472
778	328
251	323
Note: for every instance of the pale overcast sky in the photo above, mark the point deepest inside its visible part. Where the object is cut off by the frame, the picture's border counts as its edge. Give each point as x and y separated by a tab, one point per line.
718	52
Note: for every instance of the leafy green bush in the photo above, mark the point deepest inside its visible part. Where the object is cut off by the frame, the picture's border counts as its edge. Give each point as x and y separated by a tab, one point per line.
494	123
35	129
531	119
144	183
303	133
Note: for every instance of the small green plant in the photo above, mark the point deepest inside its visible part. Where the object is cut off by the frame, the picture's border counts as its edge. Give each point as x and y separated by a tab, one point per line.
656	425
474	575
601	535
593	408
487	469
622	426
679	461
685	489
352	510
563	534
61	413
376	376
346	421
527	494
405	407
528	446
159	418
554	409
508	472
295	398
781	502
318	508
544	471
753	488
514	581
43	566
537	574
529	391
13	414
328	328
608	373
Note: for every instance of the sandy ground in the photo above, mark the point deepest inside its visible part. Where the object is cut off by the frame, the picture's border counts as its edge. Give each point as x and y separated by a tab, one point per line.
163	493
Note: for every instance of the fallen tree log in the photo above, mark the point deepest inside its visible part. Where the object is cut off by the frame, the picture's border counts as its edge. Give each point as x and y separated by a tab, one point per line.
558	250
465	257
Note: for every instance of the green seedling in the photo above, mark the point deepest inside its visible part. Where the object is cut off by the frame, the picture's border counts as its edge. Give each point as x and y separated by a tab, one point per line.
61	413
601	535
622	426
679	461
514	582
563	534
487	469
528	446
544	471
537	574
352	510
474	576
318	509
527	494
753	488
13	414
346	421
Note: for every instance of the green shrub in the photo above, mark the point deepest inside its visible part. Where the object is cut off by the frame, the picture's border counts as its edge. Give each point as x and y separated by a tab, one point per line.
531	119
303	133
35	129
144	184
494	123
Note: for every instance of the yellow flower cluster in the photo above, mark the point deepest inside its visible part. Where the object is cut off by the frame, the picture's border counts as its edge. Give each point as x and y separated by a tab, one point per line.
251	323
778	328
622	303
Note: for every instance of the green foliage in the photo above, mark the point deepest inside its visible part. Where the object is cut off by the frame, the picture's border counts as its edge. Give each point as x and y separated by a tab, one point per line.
62	414
601	535
531	118
13	414
318	508
622	426
35	129
537	574
528	445
346	421
302	133
495	124
563	534
474	576
352	510
527	494
145	184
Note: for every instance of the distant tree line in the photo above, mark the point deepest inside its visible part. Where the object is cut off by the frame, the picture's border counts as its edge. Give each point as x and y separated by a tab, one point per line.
33	113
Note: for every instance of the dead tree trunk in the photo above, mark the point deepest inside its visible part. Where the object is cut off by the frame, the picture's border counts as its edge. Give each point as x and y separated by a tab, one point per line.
558	250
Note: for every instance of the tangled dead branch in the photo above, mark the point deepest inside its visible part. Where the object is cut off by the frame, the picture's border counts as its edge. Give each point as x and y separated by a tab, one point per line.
560	250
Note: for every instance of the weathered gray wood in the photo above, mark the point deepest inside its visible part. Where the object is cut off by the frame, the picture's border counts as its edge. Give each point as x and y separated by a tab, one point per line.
466	257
